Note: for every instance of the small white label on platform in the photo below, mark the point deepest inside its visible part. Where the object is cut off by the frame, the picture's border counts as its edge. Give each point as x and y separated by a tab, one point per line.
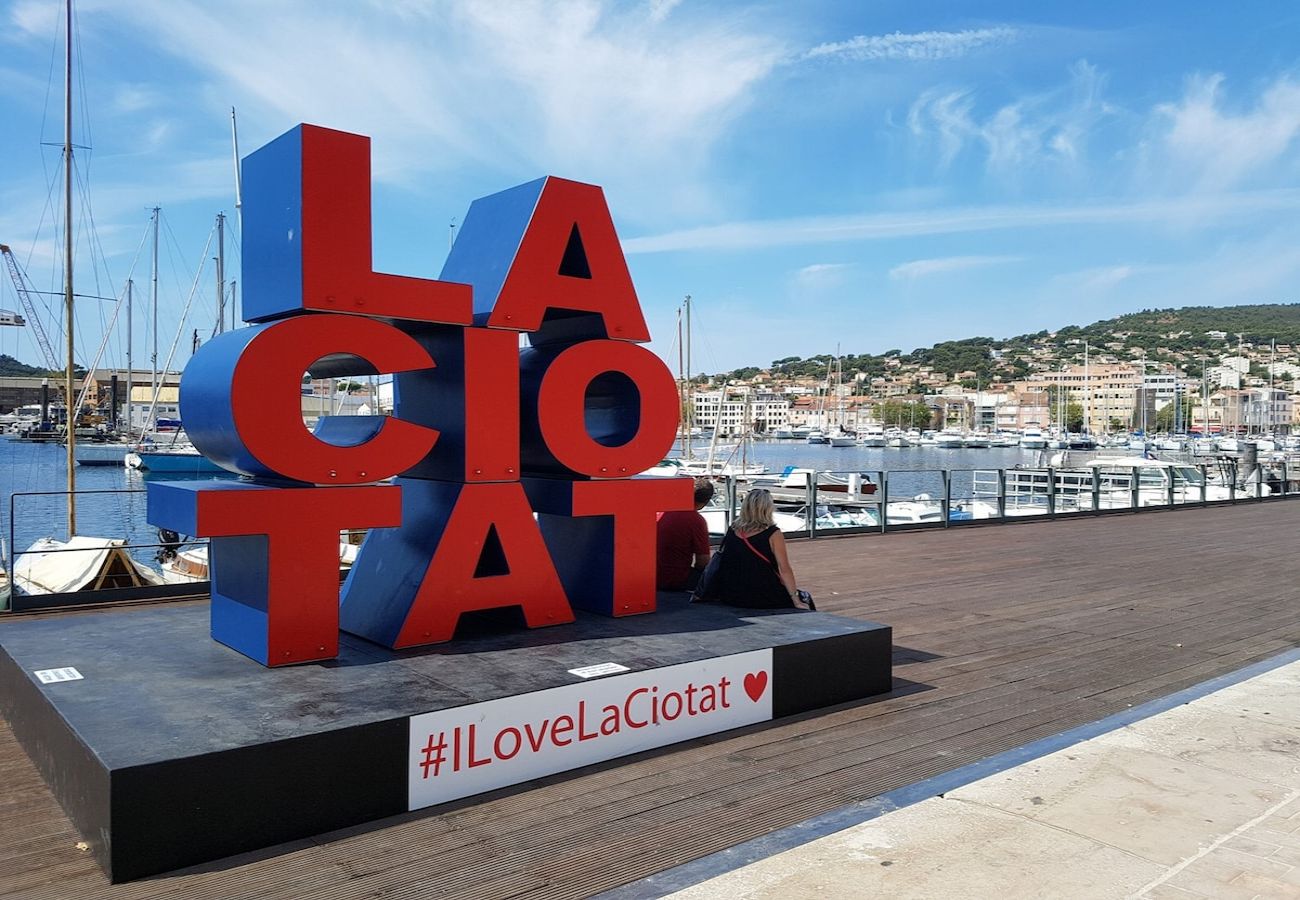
598	669
458	752
49	676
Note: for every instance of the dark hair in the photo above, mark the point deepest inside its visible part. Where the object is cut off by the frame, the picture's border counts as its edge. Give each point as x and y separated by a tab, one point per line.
703	491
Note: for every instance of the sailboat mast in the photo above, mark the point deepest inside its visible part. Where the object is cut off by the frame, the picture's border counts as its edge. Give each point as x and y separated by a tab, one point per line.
690	387
239	200
130	363
681	388
221	272
69	427
153	300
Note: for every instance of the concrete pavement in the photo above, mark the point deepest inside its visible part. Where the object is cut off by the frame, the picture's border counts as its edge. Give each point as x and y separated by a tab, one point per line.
1202	800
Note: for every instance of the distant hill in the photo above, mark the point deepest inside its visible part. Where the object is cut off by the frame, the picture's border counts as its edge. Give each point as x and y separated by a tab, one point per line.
10	367
1174	335
1255	324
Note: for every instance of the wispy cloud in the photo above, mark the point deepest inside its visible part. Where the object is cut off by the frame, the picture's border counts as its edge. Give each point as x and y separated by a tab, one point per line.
819	277
923	45
610	94
132	98
920	268
1102	279
1184	212
662	9
1216	148
1046	127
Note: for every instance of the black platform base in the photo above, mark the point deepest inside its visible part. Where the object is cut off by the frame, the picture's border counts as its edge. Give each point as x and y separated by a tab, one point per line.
172	750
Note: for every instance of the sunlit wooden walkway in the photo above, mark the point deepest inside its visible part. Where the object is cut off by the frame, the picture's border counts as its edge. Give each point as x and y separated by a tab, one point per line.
1003	634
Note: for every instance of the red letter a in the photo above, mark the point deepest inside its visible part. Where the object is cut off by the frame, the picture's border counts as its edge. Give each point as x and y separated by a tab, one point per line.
570	258
452	585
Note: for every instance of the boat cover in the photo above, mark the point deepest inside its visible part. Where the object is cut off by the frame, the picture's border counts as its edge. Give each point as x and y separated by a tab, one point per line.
79	564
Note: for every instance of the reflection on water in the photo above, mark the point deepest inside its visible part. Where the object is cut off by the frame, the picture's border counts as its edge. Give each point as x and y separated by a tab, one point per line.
119	512
29	468
913	470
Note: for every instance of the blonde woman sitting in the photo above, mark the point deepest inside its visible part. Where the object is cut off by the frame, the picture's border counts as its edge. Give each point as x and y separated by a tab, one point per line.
752	566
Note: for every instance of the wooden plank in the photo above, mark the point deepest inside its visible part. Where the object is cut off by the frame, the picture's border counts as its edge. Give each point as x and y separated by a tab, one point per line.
1003	635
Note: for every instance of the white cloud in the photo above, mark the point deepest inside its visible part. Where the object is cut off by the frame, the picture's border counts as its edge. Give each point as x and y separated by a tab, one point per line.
921	45
1184	212
1102	279
132	98
35	18
1047	128
1219	149
582	88
819	277
920	268
661	9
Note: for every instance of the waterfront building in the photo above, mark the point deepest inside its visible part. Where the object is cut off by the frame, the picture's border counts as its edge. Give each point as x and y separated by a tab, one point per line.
1107	393
740	410
1267	410
1224	376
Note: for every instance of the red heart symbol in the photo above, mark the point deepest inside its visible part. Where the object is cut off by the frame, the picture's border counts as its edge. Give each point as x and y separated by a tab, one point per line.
755	684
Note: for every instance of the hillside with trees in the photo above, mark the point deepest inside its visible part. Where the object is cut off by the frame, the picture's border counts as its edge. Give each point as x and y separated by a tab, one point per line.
12	368
1160	334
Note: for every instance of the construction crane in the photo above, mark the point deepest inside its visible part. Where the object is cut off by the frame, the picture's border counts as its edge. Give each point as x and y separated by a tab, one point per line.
25	298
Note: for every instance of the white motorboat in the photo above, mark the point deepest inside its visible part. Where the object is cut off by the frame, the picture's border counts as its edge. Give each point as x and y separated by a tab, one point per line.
817	436
949	439
107	454
873	436
1032	438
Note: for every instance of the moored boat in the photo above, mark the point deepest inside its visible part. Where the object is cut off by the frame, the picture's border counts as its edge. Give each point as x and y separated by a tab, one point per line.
80	563
180	460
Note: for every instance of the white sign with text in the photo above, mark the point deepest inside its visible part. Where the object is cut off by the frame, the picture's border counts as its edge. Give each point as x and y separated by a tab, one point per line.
458	752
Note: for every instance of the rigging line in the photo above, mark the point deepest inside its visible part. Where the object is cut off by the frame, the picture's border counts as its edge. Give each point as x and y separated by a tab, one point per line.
83	96
49	85
174	251
708	347
108	330
91	238
153	405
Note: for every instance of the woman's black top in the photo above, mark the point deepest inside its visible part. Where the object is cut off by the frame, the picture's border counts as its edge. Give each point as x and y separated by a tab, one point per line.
747	579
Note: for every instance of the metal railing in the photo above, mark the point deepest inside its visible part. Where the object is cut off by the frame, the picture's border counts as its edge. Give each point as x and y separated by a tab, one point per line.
843	503
986	496
20	601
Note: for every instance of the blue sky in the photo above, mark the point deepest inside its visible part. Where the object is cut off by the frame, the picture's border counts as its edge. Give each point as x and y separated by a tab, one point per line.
871	175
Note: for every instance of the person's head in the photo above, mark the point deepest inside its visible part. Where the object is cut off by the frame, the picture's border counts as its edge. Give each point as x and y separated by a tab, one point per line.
756	512
703	492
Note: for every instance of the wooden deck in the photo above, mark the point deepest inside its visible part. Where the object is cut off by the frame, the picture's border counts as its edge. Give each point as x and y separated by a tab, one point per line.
1003	634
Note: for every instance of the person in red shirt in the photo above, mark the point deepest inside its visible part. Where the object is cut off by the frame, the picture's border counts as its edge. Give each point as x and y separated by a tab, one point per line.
683	543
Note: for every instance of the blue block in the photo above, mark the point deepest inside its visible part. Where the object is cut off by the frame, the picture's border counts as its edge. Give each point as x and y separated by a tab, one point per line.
383	583
272	229
612	412
238	566
582	547
488	240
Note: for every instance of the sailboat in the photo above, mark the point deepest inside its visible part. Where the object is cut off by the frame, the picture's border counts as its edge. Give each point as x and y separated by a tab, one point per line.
80	563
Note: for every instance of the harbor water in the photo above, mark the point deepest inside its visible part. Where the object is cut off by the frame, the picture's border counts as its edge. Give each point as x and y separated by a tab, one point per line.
912	470
29	469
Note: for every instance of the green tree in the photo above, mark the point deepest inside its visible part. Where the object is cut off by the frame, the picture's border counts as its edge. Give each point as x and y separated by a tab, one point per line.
1074	416
1165	420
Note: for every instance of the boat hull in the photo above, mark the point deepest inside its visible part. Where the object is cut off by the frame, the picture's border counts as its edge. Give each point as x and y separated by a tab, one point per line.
178	463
